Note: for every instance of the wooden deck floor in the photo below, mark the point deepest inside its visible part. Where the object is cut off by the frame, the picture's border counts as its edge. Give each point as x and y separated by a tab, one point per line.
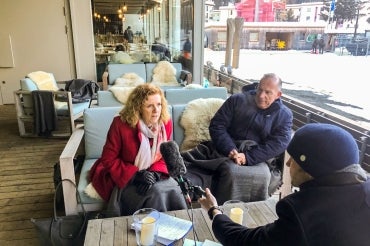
26	180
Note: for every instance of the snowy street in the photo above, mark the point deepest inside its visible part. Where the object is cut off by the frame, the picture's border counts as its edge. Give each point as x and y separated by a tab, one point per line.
344	78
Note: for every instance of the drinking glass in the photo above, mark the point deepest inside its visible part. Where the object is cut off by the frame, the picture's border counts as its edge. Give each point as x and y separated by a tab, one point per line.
236	210
146	226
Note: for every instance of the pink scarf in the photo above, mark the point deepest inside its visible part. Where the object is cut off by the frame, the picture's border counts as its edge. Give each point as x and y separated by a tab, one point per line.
148	155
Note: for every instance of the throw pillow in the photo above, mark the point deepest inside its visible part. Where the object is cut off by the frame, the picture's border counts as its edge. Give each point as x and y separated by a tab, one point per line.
129	79
164	74
195	120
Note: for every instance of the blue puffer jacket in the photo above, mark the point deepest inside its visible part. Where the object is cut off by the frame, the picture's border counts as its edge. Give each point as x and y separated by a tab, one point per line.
239	118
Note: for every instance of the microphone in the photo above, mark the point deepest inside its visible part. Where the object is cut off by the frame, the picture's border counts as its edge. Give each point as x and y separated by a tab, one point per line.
171	155
176	167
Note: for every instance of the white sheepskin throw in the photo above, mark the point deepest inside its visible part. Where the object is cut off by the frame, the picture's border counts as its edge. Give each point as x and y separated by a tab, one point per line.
122	57
193	86
121	93
195	120
91	192
129	79
43	80
164	74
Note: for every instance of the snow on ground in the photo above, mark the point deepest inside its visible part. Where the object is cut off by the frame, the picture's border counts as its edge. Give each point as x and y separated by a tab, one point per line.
344	78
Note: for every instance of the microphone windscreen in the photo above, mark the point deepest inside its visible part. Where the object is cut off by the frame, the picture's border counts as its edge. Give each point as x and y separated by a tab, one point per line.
171	155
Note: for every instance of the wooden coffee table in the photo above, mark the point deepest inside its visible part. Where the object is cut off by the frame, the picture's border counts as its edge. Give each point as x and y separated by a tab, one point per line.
117	231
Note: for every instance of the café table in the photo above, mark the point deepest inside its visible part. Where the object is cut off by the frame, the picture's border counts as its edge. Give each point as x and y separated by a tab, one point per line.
117	230
104	56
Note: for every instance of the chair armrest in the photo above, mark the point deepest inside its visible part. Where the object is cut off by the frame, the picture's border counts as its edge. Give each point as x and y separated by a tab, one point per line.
62	82
20	92
67	95
19	108
105	80
67	170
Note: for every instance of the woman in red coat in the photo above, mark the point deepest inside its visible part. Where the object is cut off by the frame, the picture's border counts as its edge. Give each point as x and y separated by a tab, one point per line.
131	157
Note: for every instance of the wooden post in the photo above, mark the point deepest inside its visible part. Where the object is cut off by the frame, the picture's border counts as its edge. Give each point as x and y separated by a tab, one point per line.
229	40
236	42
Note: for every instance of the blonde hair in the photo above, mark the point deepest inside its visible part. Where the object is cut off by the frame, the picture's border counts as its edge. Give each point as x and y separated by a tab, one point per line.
131	113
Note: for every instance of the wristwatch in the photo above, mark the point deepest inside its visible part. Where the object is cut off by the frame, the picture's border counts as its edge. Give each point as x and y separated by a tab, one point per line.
210	211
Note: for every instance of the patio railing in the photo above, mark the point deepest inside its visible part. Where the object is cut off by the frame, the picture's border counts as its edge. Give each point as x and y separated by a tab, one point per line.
303	113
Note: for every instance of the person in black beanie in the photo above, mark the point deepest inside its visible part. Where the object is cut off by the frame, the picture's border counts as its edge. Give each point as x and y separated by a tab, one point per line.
332	206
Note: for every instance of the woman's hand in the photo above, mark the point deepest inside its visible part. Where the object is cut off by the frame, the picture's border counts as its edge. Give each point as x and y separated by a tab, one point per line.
144	180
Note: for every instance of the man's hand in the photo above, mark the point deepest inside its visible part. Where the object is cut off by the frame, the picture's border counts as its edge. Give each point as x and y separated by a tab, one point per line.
208	200
238	158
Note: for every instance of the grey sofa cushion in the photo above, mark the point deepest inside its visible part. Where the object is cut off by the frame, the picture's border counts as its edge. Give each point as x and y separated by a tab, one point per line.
178	95
107	99
183	95
97	122
178	131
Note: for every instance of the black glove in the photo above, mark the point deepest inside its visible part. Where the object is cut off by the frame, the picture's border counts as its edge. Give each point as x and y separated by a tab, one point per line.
144	180
142	189
146	177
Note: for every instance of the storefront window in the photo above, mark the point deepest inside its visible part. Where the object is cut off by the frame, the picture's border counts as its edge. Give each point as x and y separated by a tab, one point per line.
159	30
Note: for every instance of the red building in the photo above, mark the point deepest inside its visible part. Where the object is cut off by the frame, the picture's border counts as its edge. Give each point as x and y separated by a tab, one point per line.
267	10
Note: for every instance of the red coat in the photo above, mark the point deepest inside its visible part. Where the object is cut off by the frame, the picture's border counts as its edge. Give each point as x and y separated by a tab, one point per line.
116	165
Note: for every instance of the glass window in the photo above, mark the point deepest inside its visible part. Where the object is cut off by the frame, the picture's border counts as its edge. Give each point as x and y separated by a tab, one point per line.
317	81
254	37
148	32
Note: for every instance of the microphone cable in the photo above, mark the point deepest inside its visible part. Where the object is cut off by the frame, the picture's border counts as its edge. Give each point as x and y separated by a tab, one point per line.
191	216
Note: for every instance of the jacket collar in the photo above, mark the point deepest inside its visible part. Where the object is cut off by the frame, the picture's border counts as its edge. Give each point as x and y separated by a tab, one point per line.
336	179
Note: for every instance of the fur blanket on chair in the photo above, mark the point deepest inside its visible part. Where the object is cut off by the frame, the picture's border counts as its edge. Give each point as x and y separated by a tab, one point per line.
129	79
124	85
121	93
195	120
43	80
164	74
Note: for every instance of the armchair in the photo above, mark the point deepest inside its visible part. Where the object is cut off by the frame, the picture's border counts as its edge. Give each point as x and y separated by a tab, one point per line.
46	115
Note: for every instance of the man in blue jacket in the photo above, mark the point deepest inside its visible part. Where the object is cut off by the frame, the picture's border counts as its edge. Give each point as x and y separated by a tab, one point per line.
257	114
332	206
